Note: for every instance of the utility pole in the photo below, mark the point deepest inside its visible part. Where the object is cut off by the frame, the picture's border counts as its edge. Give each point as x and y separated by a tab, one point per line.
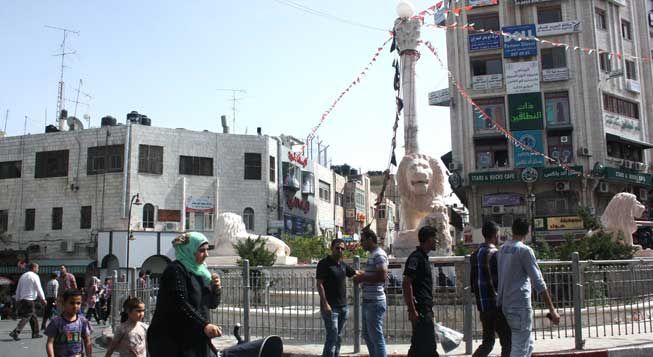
60	94
233	100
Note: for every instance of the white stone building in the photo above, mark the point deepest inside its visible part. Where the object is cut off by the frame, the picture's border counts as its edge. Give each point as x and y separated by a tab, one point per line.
589	111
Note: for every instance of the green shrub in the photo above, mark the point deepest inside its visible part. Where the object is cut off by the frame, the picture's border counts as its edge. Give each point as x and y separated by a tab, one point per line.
307	248
254	250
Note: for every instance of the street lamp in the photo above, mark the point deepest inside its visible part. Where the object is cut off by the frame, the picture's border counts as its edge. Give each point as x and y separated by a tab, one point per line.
135	200
531	204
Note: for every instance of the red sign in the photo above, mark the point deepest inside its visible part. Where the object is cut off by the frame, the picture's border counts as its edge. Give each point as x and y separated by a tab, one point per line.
295	202
297	157
360	217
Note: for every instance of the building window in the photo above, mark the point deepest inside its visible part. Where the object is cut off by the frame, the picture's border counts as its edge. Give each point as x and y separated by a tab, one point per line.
600	19
626	30
150	159
99	157
554	57
557	108
380	212
10	169
631	70
202	221
622	150
30	218
325	191
560	146
495	108
339	198
620	106
51	164
273	169
491	154
193	165
485	21
604	62
148	215
4	220
252	166
486	66
360	200
549	14
85	217
57	218
248	218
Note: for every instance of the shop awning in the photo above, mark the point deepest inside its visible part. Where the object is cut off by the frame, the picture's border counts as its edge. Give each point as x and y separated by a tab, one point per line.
621	139
75	266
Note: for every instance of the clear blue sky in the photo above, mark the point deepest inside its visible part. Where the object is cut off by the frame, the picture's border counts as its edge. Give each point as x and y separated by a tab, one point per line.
167	58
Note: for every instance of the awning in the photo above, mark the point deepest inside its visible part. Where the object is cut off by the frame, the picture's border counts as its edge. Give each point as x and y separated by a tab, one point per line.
75	266
624	140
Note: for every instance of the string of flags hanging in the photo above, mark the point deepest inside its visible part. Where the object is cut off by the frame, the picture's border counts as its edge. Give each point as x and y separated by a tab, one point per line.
355	82
506	133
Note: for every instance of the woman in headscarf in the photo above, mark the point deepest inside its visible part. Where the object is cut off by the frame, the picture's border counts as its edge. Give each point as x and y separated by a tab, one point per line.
187	290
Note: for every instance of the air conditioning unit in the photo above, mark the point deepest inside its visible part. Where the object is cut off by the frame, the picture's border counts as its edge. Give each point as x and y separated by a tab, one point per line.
604	187
171	227
454	166
564	139
584	152
562	186
498	210
625	164
68	246
637	166
643	194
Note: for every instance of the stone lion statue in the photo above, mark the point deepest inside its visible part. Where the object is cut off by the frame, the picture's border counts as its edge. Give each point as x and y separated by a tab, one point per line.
420	181
231	229
619	216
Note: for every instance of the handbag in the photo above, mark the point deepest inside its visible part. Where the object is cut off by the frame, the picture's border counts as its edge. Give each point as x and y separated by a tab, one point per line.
449	339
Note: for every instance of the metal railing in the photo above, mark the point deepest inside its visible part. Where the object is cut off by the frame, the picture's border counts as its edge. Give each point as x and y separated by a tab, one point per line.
594	299
147	293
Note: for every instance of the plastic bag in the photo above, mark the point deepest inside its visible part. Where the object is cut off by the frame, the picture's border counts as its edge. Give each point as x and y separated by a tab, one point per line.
448	338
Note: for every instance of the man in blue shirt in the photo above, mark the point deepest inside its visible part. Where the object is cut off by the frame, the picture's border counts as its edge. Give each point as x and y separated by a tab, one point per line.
484	282
518	269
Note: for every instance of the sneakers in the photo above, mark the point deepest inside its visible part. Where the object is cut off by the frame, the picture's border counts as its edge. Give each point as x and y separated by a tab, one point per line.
14	335
37	336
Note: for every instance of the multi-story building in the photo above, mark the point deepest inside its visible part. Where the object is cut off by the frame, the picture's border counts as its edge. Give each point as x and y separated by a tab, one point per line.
579	94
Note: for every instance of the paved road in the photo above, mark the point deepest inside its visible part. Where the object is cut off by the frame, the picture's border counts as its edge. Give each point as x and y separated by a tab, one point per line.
29	347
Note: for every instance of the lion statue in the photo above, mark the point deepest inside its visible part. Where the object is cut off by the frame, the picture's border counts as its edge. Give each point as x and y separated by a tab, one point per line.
420	181
619	216
231	229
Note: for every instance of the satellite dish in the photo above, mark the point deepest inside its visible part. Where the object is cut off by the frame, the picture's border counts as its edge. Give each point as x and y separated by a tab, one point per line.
74	124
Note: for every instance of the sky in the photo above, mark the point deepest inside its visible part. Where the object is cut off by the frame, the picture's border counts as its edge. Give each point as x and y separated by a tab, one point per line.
167	59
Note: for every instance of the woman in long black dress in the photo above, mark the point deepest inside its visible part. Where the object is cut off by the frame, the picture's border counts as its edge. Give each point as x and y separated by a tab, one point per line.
180	326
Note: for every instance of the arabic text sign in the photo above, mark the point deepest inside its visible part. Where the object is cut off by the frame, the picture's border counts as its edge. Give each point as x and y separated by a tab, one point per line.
533	139
555	74
522	77
490	81
484	41
513	47
525	111
558	28
564	223
199	204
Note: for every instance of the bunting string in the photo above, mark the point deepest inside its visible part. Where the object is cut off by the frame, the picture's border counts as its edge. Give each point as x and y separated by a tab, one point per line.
506	133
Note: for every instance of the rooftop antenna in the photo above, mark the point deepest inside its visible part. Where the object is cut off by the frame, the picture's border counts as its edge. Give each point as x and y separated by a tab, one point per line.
6	119
233	100
60	94
76	101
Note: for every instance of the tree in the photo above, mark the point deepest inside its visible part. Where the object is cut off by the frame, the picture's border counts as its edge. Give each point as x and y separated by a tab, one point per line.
254	250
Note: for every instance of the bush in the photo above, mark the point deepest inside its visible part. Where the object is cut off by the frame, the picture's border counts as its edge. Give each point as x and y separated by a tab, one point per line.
462	250
254	250
307	248
597	246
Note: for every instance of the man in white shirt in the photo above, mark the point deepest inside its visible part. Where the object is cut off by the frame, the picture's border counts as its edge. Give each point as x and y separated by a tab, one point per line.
28	290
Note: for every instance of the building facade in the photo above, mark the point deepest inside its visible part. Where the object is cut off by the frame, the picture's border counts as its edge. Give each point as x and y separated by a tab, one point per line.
588	110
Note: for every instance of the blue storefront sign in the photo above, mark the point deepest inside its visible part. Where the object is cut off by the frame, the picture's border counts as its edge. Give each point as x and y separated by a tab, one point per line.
520	48
533	139
484	41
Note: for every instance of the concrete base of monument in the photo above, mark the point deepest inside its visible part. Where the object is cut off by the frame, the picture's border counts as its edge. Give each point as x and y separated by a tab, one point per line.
228	260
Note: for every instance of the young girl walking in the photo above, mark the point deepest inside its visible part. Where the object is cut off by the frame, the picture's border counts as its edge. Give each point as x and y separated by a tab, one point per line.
129	339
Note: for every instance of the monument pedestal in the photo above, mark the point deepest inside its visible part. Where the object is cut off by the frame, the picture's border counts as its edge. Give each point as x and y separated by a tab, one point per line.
229	260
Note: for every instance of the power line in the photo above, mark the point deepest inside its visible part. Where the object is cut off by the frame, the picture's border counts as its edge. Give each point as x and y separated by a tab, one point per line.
326	15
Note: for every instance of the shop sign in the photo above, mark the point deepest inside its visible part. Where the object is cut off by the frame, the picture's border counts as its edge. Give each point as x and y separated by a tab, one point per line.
530	175
525	111
633	85
564	223
484	41
557	173
522	77
558	28
297	157
513	47
555	74
501	199
440	98
477	3
199	204
492	177
630	177
528	2
622	126
490	81
533	139
295	202
275	224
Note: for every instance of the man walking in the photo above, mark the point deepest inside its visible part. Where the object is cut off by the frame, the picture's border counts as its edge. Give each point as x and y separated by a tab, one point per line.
484	283
51	293
66	280
374	302
418	295
518	269
330	281
27	291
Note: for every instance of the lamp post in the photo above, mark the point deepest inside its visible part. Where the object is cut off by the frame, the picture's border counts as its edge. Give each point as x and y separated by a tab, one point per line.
135	200
531	204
